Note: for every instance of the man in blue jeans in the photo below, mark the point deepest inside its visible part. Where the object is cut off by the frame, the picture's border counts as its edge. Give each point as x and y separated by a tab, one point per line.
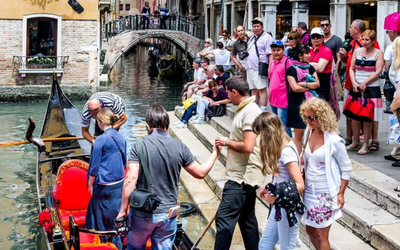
165	157
243	170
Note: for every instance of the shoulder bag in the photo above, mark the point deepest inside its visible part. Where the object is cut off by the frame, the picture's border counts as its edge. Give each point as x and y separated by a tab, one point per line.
262	66
144	199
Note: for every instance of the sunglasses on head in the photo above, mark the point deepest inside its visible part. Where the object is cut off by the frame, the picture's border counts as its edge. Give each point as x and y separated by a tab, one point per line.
311	118
362	63
290	38
324	25
316	37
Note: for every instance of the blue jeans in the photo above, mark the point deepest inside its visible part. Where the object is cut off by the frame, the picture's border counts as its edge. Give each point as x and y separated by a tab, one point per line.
202	105
282	114
157	226
279	230
188	113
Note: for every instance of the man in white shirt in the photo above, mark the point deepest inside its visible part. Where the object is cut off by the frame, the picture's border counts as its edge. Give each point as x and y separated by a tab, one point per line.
222	56
199	78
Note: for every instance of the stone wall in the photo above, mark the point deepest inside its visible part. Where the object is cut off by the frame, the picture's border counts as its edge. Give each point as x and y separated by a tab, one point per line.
79	42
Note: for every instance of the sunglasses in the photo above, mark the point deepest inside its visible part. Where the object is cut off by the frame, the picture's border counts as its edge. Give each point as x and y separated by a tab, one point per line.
311	118
316	37
324	25
363	61
207	42
224	35
202	62
290	38
388	31
93	110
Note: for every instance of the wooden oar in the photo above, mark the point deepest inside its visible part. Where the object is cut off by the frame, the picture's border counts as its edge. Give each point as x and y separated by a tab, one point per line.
37	141
194	247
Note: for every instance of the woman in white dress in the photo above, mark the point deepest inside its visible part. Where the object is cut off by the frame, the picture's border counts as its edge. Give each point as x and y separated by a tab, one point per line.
327	170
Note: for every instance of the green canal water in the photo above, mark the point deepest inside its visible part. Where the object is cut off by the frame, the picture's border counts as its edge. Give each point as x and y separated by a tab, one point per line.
19	227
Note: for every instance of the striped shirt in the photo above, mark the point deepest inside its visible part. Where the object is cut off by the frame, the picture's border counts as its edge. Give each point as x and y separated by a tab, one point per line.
109	100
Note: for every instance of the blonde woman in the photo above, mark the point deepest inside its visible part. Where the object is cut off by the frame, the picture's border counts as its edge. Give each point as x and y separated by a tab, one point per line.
279	158
327	170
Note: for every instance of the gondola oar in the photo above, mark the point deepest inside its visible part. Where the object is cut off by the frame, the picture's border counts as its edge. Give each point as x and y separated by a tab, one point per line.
194	247
35	140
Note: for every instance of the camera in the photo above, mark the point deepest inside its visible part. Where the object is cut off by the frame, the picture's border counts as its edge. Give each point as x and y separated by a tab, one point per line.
244	55
122	225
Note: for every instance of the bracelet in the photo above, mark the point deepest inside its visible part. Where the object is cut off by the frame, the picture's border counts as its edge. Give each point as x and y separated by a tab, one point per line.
306	85
225	142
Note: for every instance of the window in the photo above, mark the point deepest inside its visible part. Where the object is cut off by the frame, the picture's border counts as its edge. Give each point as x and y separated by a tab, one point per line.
42	36
127	6
121	7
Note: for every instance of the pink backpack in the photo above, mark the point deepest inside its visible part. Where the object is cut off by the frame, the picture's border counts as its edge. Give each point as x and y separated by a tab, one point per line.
392	22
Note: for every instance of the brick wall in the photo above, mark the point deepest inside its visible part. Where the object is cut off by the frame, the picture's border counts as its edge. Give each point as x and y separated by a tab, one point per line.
79	42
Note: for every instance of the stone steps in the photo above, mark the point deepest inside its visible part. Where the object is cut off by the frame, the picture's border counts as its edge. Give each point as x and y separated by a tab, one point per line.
341	238
364	218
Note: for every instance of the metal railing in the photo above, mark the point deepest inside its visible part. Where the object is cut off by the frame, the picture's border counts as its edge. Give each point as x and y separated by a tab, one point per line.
140	22
39	62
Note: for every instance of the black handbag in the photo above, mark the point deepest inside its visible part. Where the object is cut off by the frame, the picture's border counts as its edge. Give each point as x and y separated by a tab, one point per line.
141	198
388	90
215	111
262	66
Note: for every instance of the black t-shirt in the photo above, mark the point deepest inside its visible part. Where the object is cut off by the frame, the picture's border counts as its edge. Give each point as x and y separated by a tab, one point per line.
221	79
334	44
165	156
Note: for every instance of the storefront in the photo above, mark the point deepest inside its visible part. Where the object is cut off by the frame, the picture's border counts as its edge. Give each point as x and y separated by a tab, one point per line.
364	10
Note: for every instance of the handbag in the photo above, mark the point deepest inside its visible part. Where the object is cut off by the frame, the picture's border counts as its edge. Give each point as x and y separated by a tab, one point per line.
389	90
141	198
189	102
355	110
262	66
215	111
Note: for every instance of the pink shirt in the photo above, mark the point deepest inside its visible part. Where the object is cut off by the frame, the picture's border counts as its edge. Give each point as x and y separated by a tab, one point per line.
277	83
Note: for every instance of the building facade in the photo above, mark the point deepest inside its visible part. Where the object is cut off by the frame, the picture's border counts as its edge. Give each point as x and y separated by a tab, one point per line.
280	15
42	37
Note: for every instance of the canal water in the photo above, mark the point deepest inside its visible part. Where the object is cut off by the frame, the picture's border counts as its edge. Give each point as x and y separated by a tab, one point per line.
19	227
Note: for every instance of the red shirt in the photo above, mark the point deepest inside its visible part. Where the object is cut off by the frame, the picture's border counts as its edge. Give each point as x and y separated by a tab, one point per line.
355	46
324	53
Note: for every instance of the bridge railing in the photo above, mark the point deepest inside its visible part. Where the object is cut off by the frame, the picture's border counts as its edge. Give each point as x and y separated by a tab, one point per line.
140	22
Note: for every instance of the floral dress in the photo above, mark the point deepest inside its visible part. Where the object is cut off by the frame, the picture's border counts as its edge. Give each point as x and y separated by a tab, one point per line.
321	209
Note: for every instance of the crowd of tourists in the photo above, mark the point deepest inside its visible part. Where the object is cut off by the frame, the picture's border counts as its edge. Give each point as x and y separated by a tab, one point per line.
297	142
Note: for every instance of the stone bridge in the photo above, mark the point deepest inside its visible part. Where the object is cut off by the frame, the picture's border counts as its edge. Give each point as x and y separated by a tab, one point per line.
117	45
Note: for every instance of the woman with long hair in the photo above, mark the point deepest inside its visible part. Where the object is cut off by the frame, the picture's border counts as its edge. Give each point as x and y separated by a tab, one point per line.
298	88
280	159
327	169
293	40
106	176
366	66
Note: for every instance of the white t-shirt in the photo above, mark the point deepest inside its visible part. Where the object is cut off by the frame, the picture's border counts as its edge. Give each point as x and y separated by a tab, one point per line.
389	54
222	57
198	74
289	154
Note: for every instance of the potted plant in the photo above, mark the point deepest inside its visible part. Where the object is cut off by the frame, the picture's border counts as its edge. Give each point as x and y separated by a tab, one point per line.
41	62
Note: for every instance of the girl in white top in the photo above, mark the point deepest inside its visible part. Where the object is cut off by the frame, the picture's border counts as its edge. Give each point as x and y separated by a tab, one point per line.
327	170
279	158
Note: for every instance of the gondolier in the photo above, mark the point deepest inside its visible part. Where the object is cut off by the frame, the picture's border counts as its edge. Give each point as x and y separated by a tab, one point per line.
92	107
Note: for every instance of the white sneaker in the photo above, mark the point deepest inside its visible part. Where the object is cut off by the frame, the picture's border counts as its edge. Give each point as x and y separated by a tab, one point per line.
194	118
181	125
177	123
200	120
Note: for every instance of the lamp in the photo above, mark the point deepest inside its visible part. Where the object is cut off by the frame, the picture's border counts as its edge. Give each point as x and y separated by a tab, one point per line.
76	6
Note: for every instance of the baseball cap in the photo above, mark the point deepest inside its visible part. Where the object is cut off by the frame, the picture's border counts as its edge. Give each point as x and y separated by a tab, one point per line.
317	31
197	61
209	40
277	43
257	20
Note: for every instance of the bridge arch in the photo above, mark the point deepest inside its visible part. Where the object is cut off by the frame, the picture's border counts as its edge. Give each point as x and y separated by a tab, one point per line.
168	35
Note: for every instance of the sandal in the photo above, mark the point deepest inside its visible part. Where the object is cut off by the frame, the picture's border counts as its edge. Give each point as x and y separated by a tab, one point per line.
364	150
348	142
397	189
361	137
353	147
374	146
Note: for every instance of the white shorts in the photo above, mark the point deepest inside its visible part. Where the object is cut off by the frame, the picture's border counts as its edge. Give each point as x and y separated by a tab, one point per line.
255	80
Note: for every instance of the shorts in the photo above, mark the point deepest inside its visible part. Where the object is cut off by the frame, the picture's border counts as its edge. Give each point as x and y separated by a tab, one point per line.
255	80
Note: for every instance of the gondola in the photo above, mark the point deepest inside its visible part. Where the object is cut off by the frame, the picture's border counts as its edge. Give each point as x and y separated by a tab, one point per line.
61	180
167	66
